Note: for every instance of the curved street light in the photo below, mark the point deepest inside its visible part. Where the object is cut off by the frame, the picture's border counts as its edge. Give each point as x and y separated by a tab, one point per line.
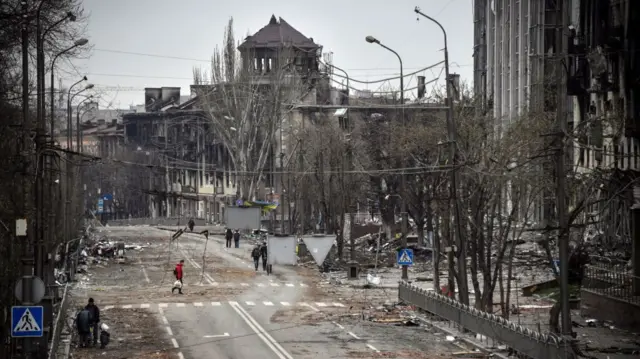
403	185
69	113
77	43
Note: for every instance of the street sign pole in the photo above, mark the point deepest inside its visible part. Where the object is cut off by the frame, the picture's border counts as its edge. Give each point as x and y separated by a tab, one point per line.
27	299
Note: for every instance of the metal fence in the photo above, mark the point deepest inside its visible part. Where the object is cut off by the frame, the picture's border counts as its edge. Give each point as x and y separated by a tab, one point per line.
59	322
525	341
613	282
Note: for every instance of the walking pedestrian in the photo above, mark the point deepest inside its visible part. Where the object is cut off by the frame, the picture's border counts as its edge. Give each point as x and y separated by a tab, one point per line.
255	254
178	272
94	319
83	327
263	254
236	238
228	236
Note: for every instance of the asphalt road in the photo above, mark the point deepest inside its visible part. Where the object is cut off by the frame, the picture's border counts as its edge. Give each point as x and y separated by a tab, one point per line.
243	327
233	312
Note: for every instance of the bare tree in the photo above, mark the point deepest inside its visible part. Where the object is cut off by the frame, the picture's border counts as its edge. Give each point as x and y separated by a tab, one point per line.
246	107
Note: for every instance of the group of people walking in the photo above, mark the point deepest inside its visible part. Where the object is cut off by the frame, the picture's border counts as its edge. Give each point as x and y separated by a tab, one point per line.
229	235
260	251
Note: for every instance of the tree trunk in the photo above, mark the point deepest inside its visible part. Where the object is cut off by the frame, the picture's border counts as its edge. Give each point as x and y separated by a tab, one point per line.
420	232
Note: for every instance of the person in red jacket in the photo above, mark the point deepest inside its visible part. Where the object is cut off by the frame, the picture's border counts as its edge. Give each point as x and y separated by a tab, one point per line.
178	273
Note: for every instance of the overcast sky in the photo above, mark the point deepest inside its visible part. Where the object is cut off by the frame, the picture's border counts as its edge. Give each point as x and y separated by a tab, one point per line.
191	29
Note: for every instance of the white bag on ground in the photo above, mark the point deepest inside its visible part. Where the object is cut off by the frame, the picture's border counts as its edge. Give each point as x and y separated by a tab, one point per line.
177	284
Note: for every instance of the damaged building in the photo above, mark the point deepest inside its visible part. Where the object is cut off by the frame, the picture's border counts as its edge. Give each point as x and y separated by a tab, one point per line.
517	56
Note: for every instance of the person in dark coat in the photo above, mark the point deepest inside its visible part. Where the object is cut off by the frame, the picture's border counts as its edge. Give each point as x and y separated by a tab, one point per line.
94	319
83	320
255	254
236	238
263	254
228	236
191	224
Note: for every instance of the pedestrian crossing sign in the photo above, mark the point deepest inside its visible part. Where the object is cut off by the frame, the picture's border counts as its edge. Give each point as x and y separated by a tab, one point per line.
26	321
405	257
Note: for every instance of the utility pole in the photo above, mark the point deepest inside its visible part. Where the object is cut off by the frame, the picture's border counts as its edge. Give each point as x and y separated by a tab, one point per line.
561	200
452	134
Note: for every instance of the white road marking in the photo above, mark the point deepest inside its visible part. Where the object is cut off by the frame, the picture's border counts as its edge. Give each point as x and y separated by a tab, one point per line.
373	348
197	304
169	331
290	285
244	284
269	304
180	305
321	304
174	342
216	304
286	304
338	325
180	355
209	278
303	285
109	307
146	276
250	303
261	284
145	306
353	335
309	306
338	304
128	306
217	335
273	284
262	334
163	305
164	320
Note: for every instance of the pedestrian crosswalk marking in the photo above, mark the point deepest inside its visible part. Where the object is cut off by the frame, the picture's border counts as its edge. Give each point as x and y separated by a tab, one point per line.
290	284
267	303
273	284
244	284
261	285
27	323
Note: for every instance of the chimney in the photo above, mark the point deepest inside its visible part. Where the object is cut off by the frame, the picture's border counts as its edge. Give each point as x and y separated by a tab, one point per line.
421	87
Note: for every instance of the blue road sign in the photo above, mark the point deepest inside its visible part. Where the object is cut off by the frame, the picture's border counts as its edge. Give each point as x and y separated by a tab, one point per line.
405	257
100	205
26	321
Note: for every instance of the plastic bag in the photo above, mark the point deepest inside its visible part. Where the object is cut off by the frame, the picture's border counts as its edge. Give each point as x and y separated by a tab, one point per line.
177	284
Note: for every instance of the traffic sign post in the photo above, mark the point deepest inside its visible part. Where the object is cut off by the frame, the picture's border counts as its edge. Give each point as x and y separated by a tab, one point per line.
405	257
27	321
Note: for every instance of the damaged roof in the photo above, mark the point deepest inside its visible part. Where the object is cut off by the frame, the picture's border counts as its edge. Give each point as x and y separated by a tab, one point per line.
275	34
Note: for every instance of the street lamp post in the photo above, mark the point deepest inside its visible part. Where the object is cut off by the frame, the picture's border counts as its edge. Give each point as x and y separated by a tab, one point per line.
451	132
403	180
79	42
78	130
70	114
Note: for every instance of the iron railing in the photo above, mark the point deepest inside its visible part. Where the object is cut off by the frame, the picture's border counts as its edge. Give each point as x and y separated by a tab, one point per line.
59	322
613	282
527	342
